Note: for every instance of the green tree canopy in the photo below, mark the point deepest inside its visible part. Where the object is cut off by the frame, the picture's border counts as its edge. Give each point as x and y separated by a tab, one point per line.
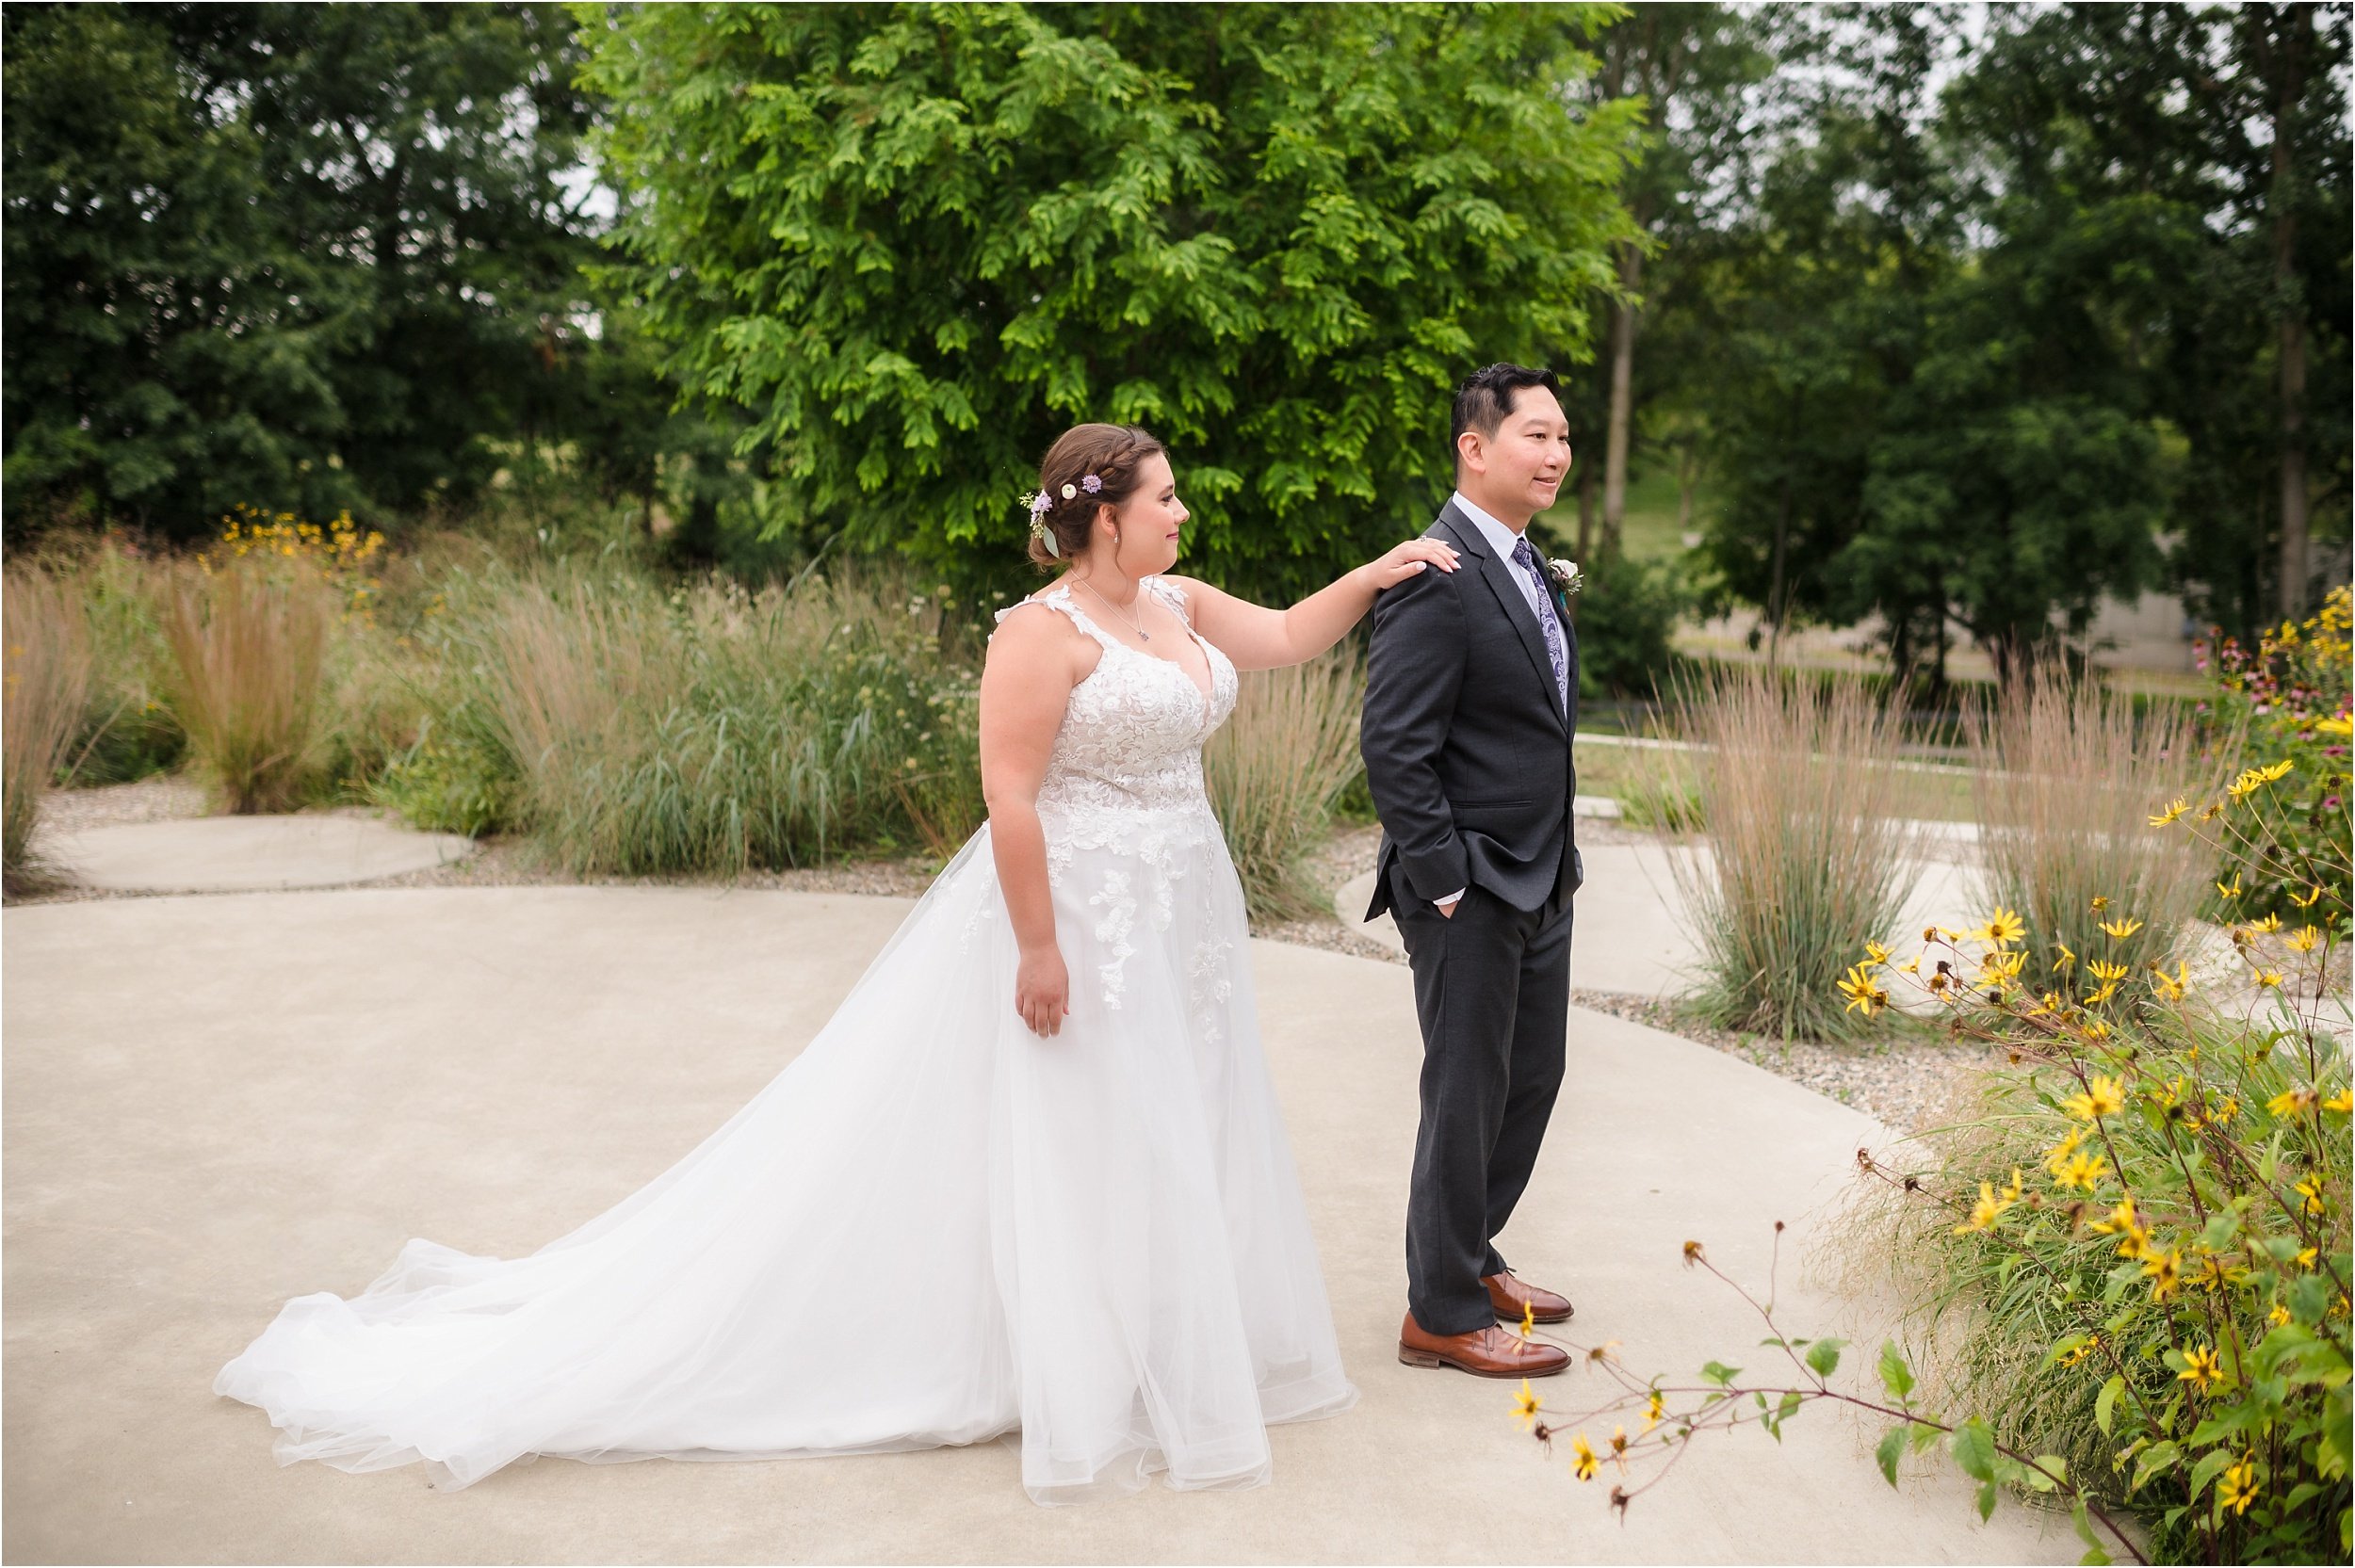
284	254
1993	350
916	242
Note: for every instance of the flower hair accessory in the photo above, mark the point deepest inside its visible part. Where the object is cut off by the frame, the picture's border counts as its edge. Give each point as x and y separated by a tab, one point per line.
1039	530
1043	503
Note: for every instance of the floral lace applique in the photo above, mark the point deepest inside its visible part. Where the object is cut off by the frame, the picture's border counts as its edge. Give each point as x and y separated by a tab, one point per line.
1120	915
1208	983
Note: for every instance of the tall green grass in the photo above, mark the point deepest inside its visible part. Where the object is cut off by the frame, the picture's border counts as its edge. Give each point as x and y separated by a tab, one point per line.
47	677
1277	769
1811	853
129	728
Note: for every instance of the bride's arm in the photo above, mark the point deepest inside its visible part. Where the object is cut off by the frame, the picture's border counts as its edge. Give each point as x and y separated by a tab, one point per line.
1026	685
1254	636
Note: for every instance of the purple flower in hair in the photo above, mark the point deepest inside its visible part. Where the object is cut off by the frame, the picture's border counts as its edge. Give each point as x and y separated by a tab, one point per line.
1090	484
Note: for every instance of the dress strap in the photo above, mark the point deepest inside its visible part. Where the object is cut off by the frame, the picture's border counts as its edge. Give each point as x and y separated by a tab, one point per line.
1172	595
1060	597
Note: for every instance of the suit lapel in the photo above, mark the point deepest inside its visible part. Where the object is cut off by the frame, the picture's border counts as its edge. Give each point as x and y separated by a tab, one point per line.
1498	573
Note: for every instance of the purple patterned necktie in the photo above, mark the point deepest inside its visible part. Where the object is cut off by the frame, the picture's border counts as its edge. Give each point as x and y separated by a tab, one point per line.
1526	559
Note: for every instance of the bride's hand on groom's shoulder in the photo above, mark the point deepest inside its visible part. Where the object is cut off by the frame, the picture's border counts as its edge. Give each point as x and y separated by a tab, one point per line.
1408	560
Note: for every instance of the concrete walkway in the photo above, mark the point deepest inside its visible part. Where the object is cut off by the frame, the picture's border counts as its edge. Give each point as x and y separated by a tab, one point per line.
1633	935
212	1104
239	854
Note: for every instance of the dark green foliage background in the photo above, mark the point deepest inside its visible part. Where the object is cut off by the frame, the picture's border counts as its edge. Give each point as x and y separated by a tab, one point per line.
918	242
1962	319
298	257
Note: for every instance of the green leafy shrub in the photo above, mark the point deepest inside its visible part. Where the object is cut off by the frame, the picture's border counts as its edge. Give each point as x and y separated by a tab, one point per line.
454	778
1627	616
2165	1303
2287	702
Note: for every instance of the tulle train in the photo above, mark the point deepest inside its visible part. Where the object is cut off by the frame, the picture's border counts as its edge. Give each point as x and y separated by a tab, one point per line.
931	1227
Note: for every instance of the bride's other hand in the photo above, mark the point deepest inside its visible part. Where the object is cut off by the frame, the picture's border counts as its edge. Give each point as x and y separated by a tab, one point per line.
1408	559
1042	989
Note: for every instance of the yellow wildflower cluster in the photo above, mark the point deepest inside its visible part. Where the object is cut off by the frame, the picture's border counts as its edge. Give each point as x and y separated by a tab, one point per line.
2252	779
340	552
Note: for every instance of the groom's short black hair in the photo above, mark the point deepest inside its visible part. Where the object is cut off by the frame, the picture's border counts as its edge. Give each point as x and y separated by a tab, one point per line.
1486	396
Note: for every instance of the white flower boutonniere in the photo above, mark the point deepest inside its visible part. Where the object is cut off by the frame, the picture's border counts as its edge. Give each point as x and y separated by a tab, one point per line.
1566	576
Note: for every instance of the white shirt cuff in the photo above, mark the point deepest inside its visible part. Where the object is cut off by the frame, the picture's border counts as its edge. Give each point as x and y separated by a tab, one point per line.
1452	897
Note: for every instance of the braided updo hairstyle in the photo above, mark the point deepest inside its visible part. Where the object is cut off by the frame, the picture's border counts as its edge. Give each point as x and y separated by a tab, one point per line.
1114	454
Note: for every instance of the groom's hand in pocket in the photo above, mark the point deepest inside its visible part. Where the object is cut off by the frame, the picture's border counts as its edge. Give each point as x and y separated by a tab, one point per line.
1042	989
1448	908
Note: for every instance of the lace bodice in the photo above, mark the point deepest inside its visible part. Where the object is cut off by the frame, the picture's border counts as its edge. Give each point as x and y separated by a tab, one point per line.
1132	738
1123	794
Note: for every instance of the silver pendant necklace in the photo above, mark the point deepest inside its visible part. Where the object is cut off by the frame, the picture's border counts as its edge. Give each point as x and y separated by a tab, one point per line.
1133	625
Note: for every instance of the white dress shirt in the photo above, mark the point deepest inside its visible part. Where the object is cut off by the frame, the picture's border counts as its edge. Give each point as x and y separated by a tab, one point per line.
1502	540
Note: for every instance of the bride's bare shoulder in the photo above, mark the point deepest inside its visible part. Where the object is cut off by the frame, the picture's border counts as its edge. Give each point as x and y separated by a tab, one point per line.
1033	640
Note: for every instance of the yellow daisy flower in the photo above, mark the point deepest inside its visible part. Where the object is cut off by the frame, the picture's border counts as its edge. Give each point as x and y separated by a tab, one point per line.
2201	1369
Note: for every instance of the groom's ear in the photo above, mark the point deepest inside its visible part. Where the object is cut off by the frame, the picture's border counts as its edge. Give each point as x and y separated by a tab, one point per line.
1471	452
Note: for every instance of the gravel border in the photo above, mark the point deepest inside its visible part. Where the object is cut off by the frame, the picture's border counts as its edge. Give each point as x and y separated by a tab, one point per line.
1907	1084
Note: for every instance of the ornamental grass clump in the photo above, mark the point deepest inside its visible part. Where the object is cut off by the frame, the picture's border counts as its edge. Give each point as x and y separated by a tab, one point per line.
2062	775
1277	768
1810	854
709	729
249	646
47	678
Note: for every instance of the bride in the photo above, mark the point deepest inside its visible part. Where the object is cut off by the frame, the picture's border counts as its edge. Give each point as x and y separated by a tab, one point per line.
1030	1174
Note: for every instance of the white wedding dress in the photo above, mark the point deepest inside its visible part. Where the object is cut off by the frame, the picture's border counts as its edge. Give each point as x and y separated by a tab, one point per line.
932	1226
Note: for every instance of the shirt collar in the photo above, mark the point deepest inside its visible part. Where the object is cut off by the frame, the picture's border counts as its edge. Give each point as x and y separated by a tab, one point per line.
1498	535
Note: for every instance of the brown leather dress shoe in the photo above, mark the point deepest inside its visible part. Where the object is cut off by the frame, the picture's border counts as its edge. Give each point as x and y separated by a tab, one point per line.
1507	1291
1490	1352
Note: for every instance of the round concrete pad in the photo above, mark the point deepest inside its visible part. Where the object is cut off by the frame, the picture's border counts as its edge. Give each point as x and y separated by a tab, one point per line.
238	854
213	1104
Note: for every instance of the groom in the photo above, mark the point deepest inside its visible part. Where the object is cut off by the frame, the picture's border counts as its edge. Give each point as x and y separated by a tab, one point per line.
1471	700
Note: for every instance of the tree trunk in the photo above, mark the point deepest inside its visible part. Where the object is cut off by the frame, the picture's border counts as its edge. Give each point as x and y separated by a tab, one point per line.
2289	53
1622	399
1938	676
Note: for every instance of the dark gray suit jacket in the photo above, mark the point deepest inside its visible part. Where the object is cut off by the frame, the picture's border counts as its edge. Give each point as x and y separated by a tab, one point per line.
1467	748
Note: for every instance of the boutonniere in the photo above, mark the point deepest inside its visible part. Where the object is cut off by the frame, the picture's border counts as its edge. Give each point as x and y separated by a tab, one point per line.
1567	578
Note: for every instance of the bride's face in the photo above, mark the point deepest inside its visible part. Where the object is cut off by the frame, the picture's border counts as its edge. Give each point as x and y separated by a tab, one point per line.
1149	521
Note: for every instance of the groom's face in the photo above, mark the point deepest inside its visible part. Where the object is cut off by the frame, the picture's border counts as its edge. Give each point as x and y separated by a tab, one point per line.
1519	469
